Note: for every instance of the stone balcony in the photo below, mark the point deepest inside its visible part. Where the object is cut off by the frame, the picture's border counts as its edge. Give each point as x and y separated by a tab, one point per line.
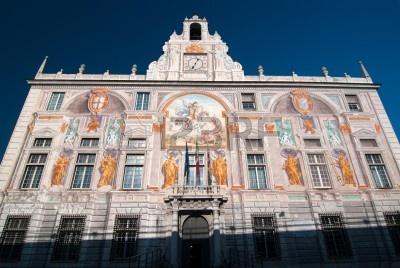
197	197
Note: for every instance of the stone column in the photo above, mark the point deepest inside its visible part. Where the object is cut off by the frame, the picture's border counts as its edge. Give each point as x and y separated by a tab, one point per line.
216	234
174	234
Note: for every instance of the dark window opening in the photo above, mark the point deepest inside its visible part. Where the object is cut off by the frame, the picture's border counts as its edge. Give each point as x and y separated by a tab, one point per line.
125	235
337	242
195	31
393	223
13	238
69	236
266	238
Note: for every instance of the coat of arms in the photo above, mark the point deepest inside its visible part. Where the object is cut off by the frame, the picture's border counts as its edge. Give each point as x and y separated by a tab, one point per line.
302	101
98	100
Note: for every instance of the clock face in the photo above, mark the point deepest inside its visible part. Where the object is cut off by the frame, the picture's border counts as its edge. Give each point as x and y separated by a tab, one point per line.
195	62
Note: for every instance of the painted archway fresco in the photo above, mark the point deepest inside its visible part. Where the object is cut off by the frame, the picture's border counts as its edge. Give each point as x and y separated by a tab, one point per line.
195	119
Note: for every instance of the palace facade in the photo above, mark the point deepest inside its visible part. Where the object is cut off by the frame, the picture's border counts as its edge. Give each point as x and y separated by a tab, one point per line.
195	164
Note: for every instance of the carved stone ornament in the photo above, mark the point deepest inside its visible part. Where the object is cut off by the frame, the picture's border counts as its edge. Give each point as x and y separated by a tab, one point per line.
302	101
98	100
194	48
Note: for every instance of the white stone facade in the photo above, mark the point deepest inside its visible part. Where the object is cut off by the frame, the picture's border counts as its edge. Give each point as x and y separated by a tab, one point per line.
228	209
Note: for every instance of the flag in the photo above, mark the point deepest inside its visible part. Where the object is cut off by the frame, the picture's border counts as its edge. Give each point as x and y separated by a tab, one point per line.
187	165
198	181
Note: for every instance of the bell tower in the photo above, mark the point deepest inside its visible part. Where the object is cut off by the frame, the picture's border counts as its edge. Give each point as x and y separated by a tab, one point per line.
195	29
195	55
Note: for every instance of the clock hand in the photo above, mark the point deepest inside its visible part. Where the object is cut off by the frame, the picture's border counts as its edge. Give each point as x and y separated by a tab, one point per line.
194	64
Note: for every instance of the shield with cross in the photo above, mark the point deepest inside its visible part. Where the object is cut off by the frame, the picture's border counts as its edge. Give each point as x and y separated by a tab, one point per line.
98	100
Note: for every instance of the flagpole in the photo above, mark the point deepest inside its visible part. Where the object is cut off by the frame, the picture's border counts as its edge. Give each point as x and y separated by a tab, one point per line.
198	182
187	169
208	167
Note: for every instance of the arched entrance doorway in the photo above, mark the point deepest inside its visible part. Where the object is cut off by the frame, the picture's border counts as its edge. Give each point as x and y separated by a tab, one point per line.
195	242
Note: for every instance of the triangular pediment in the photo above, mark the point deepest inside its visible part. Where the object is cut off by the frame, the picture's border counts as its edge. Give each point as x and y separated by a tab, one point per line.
364	133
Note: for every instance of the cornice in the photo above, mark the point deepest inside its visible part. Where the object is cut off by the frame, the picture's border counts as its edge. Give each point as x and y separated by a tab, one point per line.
206	84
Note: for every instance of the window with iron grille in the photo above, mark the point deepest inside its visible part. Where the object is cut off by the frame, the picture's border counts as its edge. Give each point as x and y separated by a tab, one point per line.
393	224
124	243
33	171
55	101
13	238
42	142
337	242
254	144
248	101
137	143
133	173
68	242
378	170
257	171
353	103
319	170
83	171
142	101
90	142
266	238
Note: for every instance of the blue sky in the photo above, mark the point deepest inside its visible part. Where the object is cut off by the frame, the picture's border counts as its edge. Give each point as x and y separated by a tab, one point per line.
281	35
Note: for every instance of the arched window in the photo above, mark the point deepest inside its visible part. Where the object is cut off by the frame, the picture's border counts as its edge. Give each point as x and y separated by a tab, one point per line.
195	31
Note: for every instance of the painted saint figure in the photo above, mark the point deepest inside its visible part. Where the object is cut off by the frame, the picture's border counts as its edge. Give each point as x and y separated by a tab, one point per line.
71	132
345	168
108	167
292	170
59	170
309	126
93	124
219	170
170	170
114	132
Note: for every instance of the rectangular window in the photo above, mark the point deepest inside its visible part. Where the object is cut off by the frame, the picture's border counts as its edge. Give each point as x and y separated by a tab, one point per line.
254	144
13	238
133	173
353	103
266	238
378	170
33	171
137	143
55	102
90	142
336	239
257	171
69	236
393	223
42	142
248	101
193	179
83	171
319	171
124	243
142	101
368	143
312	143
